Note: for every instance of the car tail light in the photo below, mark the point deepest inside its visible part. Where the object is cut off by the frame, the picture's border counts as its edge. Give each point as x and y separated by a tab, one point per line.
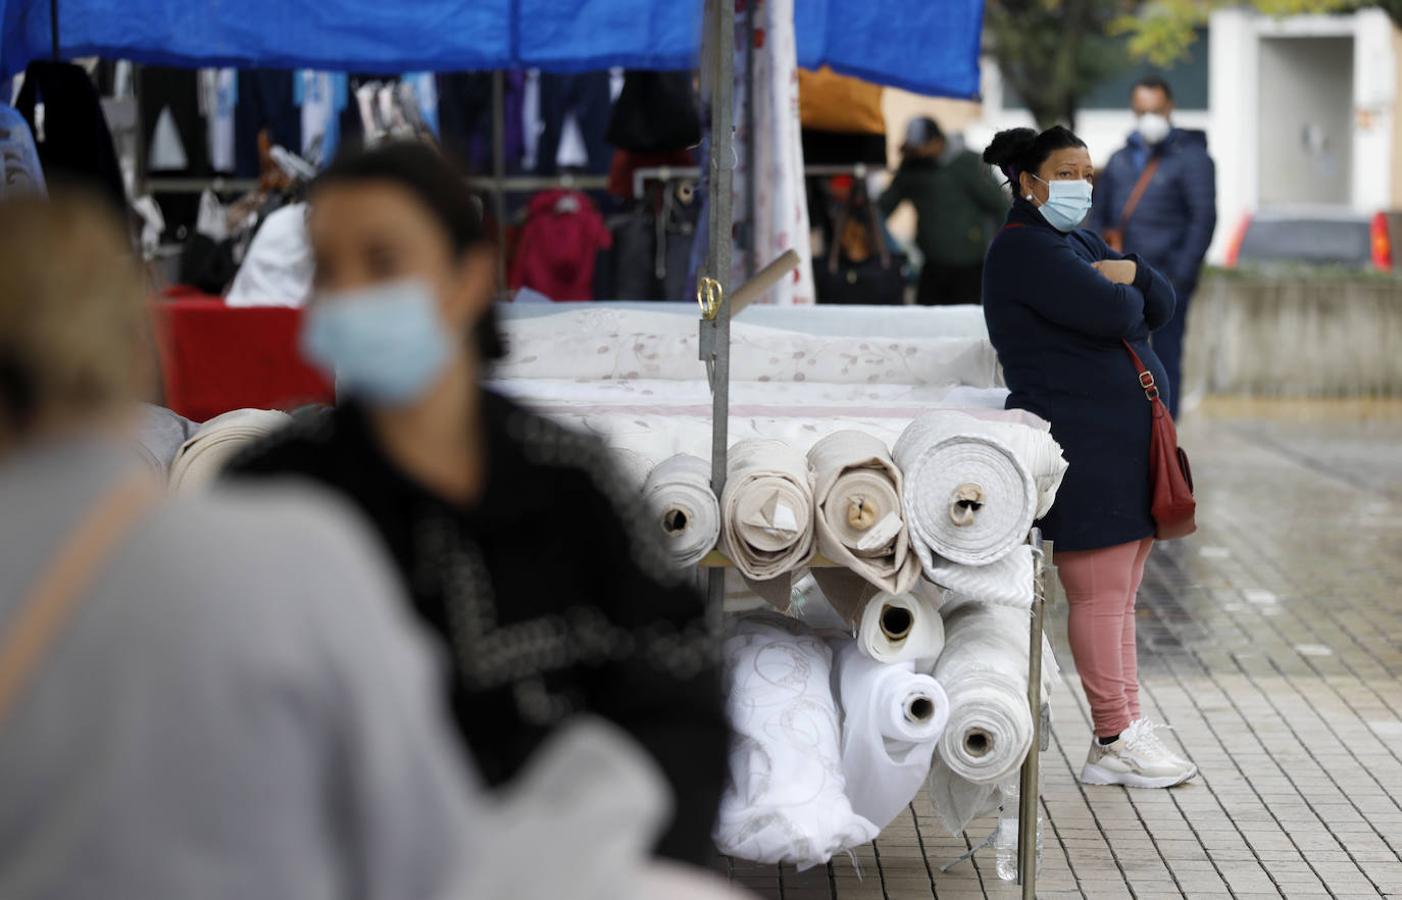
1234	248
1382	243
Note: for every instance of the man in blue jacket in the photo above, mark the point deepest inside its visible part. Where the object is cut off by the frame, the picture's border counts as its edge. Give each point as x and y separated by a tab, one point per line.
1157	198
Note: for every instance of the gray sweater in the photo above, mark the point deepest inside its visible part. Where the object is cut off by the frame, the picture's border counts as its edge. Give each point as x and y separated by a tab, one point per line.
240	708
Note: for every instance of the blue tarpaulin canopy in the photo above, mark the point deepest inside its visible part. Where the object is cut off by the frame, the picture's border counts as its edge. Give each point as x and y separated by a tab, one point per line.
929	46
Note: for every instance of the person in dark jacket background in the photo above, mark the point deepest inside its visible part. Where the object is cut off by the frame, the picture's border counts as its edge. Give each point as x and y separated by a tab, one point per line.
1171	224
1059	303
956	203
516	539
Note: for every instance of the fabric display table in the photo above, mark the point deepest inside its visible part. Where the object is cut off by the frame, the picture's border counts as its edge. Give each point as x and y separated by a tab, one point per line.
883	466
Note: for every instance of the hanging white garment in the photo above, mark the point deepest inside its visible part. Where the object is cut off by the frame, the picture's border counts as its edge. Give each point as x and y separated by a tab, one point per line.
781	197
167	149
767	510
902	629
786	800
892	719
218	99
860	521
214	444
278	268
678	494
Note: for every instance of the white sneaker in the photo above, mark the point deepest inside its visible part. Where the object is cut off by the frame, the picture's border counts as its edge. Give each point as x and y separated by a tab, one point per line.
1138	759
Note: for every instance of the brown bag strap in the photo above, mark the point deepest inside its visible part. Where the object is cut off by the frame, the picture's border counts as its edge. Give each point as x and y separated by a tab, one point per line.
1146	378
43	611
1137	194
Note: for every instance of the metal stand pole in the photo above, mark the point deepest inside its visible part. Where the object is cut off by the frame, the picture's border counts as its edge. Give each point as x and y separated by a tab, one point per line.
499	169
715	332
53	29
1029	796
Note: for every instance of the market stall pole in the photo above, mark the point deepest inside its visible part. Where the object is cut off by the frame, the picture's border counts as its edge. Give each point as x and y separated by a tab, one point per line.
719	65
1029	795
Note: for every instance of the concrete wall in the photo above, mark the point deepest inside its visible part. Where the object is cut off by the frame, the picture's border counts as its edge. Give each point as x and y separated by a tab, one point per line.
1304	124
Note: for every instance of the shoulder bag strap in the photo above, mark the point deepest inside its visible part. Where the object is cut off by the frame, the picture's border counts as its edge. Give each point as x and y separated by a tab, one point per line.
1146	378
1137	194
43	611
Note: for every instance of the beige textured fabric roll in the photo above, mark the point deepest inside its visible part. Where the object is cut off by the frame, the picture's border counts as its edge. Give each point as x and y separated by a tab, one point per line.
860	520
767	510
216	442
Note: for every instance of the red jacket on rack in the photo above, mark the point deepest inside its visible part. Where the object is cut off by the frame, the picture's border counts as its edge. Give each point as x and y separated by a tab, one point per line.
558	244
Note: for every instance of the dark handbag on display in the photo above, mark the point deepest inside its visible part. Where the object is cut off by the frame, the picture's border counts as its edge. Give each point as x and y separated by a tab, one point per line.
1170	476
1115	237
655	113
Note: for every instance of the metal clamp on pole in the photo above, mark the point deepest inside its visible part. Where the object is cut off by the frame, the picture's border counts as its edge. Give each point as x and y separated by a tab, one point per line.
1030	789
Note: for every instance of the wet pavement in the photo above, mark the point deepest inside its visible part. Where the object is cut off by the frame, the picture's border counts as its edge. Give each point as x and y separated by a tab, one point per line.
1272	642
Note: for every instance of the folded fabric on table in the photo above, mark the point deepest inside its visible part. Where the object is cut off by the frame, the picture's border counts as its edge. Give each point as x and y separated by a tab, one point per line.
633	466
860	522
786	800
1007	582
678	493
767	510
984	672
893	717
902	629
968	497
218	441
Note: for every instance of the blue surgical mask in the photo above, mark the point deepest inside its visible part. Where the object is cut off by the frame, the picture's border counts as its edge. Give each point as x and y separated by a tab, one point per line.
1068	203
384	343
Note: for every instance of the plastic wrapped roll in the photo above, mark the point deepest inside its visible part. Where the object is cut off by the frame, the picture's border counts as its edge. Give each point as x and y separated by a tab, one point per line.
767	510
786	801
678	493
893	717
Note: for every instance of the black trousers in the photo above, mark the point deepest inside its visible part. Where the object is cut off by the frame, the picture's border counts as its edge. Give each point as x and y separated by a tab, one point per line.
950	285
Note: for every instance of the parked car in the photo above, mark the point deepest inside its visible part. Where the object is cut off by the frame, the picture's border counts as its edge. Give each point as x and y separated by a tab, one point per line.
1319	236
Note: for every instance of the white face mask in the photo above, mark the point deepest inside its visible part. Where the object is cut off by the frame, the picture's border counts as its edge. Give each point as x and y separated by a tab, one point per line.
1154	128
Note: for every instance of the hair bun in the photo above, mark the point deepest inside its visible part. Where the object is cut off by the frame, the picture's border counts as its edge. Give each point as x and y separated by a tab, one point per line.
1008	147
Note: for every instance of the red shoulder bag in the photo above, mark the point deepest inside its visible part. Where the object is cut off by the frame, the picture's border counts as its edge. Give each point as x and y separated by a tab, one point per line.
1170	477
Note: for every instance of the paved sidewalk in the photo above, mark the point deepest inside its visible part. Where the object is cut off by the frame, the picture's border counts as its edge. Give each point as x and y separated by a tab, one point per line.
1272	643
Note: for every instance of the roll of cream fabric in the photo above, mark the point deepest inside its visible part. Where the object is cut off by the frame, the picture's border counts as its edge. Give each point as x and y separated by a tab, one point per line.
984	672
968	497
902	629
214	444
678	494
767	510
893	717
860	520
633	466
1008	582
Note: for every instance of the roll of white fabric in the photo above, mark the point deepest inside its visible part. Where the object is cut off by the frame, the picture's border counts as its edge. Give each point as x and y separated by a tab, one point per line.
901	629
984	672
216	442
893	717
860	521
786	800
678	493
1008	582
968	498
767	510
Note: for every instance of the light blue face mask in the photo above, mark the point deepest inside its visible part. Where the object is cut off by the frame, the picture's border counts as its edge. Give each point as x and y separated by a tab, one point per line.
382	343
1068	203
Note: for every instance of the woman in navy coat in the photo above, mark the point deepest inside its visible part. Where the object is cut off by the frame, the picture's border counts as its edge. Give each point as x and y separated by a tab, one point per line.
1058	302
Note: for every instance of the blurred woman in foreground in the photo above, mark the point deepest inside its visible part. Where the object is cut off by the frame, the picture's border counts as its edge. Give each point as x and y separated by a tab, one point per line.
515	538
215	697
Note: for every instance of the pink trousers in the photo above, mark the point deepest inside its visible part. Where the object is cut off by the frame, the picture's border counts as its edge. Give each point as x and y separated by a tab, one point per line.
1101	586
